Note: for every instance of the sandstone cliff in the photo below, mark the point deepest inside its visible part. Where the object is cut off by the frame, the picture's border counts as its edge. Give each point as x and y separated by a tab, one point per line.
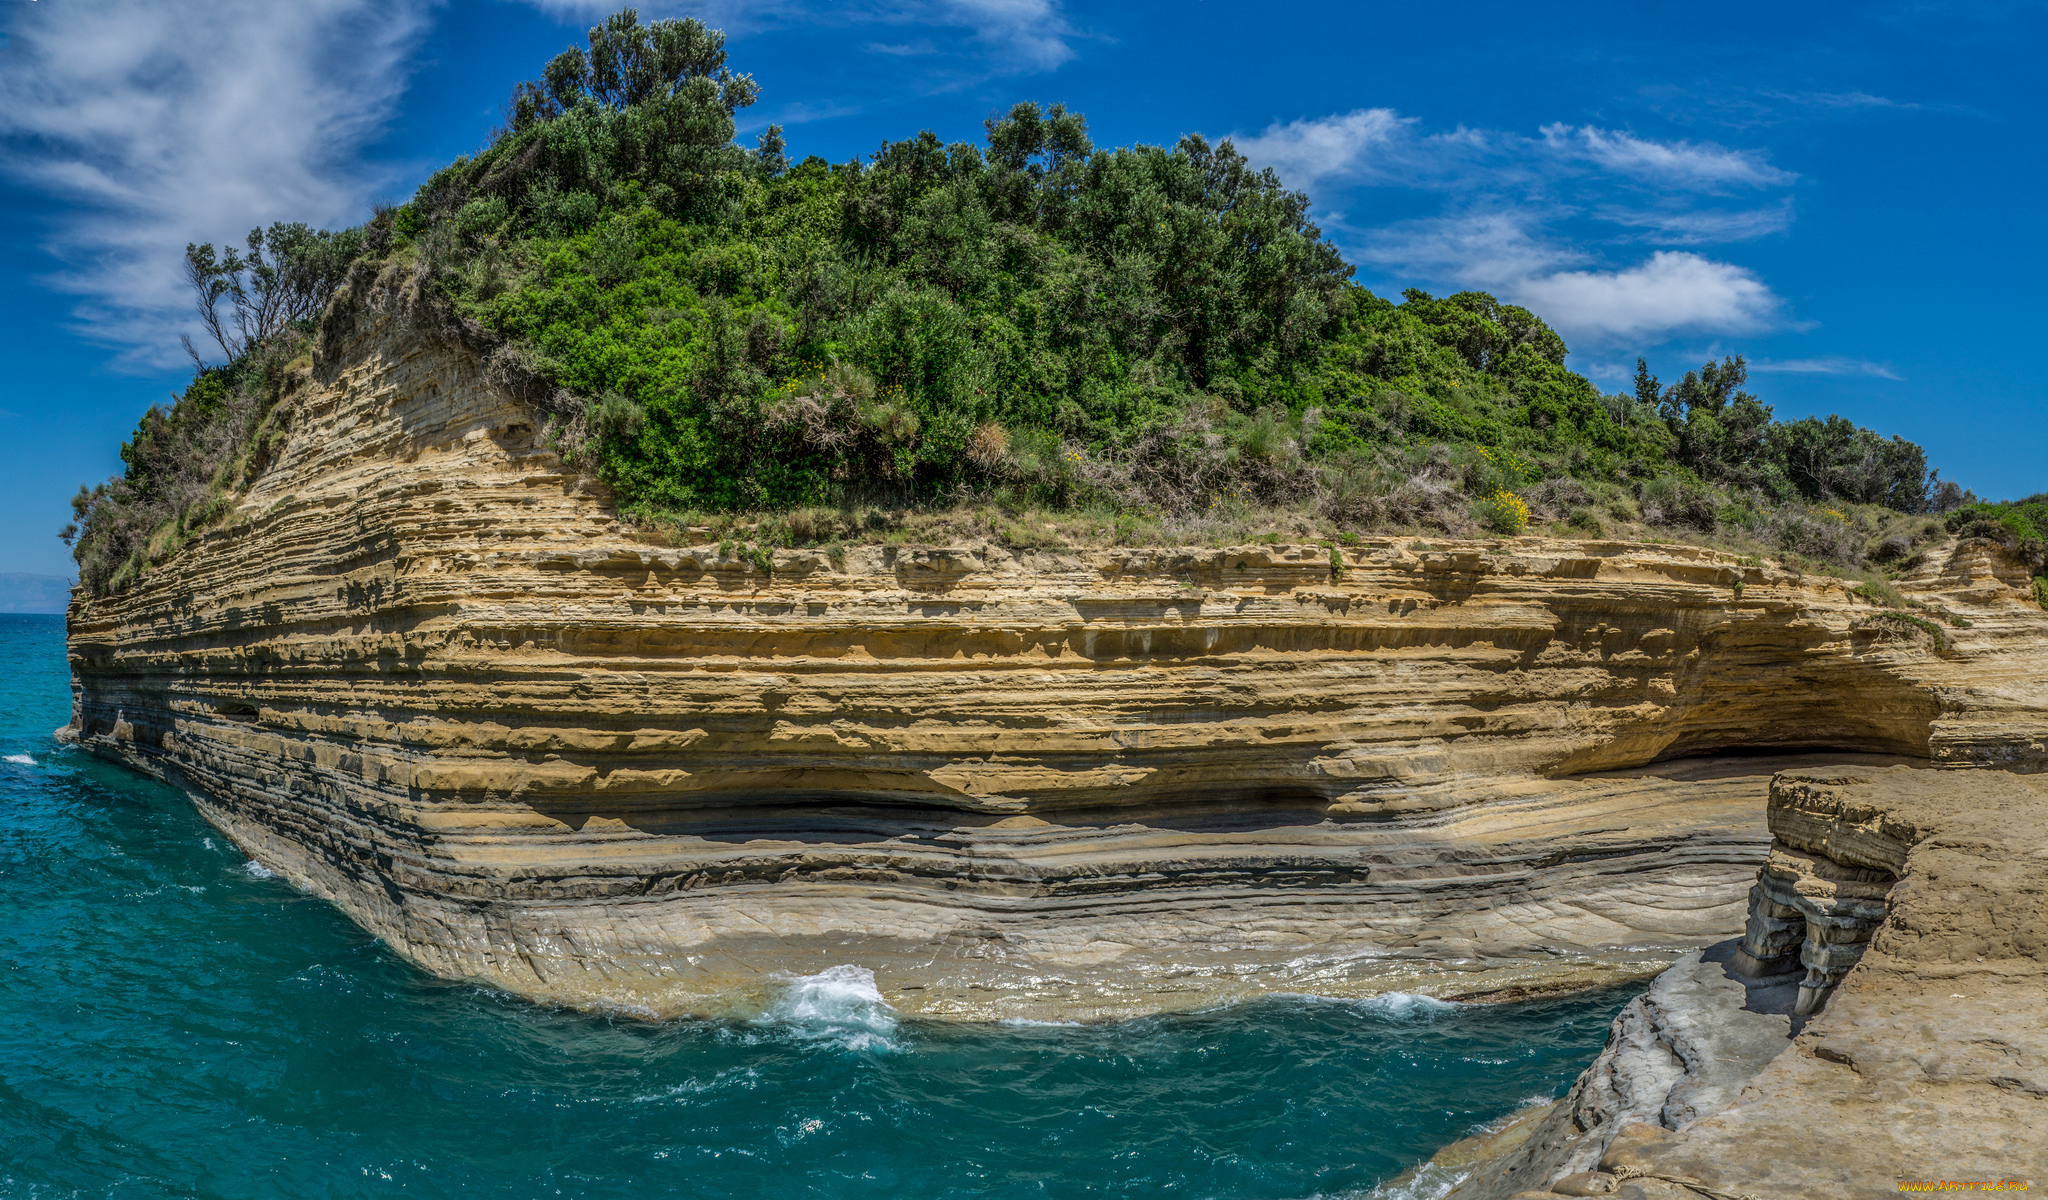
1927	1061
428	675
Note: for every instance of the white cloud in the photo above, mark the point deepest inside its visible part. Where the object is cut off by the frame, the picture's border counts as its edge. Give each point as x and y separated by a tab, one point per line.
1033	33
1544	220
160	122
1830	365
1674	292
1019	35
916	49
1507	253
1484	250
1305	153
1695	227
1682	164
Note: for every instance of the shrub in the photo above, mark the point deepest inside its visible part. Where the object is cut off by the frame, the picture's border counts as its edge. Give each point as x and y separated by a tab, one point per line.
716	329
1504	513
1670	500
1881	594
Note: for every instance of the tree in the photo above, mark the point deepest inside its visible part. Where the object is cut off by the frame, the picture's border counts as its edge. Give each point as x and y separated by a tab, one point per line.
1722	430
630	64
283	281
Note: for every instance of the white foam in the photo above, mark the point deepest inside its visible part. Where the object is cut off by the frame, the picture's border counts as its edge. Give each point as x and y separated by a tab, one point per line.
1400	1006
839	1004
1033	1023
23	759
1406	1005
256	870
1430	1182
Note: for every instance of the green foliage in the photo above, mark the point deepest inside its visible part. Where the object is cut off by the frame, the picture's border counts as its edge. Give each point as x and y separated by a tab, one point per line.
2017	525
1898	623
182	466
1504	513
1882	594
274	288
1031	320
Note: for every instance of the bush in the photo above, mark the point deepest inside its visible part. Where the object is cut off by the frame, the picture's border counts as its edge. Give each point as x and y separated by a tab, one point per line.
1669	500
1504	513
1818	536
1030	319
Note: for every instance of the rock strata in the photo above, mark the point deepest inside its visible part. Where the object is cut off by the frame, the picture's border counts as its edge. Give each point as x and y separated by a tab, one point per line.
428	674
1928	1060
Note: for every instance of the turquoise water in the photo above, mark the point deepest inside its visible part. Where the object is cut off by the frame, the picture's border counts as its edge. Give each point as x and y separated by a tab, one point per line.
175	1024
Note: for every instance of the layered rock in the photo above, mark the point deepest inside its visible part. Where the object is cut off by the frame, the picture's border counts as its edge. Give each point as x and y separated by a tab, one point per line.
1927	1063
428	674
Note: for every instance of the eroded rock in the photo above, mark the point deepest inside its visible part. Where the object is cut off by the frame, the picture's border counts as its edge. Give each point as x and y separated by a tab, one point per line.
1929	1062
427	674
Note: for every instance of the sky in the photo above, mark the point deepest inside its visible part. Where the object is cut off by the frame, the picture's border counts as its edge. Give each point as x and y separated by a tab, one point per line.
1848	195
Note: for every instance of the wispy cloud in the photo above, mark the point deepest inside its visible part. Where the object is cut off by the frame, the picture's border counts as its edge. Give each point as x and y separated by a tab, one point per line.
1683	164
1012	36
1842	101
159	122
1542	220
1033	33
1489	249
916	49
1306	152
1695	227
1824	366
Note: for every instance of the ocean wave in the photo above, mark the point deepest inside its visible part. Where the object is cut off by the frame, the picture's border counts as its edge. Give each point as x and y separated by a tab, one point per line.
1429	1182
23	759
1398	1006
256	870
839	1004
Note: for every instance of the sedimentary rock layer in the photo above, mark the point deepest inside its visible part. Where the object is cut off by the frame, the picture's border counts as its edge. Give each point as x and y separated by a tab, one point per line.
1928	1062
428	674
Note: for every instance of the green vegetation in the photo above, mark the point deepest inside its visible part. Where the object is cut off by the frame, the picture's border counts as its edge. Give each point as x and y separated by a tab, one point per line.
1039	339
2018	525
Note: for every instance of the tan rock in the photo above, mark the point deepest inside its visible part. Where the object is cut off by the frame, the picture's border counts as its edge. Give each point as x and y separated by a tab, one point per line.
1928	1062
429	675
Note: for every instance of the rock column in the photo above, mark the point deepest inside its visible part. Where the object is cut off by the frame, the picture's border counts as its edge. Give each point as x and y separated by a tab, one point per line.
1826	909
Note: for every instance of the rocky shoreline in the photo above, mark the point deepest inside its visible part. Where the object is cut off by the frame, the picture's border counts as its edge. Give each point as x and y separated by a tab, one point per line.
1739	1074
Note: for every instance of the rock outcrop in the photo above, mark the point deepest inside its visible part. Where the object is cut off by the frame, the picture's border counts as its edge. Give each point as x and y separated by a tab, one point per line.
427	673
1927	1062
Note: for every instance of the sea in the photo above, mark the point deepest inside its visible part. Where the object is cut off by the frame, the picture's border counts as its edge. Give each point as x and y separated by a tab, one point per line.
177	1021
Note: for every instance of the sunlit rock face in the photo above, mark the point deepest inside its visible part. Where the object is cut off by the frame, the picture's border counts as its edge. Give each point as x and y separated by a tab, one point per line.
1923	1058
428	675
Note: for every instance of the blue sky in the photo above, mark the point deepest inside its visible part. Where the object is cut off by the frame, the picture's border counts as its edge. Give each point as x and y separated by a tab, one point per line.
1847	194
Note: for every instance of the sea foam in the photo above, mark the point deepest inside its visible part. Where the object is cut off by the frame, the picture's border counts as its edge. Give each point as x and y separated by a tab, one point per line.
839	1004
23	759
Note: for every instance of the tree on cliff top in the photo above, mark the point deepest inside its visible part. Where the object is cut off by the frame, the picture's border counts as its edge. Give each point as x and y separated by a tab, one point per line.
1028	320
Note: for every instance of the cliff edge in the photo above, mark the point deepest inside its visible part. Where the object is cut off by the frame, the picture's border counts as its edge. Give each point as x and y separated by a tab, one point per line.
427	674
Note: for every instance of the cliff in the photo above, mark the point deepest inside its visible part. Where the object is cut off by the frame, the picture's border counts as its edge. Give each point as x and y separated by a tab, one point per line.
428	675
1745	1072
